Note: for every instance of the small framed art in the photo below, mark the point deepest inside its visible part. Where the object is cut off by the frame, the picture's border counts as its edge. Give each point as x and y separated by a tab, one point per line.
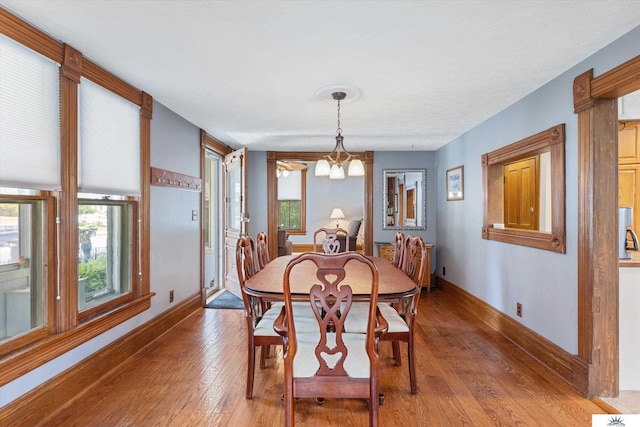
455	183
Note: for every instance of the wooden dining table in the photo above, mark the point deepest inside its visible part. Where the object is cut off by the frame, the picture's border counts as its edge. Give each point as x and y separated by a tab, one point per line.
393	283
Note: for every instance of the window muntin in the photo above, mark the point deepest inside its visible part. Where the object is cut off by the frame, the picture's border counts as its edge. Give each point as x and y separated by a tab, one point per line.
105	251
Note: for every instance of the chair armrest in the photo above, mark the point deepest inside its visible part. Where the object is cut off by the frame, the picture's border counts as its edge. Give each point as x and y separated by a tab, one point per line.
279	325
381	324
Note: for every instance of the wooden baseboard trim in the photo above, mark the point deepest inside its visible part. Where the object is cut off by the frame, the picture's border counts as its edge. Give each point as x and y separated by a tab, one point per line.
47	399
605	406
562	363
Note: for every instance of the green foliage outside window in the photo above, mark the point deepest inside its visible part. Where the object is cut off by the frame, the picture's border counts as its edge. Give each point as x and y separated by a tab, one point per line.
95	271
290	214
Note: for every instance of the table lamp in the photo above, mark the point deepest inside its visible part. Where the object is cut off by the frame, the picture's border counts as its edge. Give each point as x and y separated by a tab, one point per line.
337	214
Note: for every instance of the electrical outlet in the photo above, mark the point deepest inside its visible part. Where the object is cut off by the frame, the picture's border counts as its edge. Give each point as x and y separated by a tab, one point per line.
444	272
519	309
170	296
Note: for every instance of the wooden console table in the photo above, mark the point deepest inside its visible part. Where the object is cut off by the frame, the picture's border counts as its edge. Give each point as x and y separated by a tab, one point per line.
385	250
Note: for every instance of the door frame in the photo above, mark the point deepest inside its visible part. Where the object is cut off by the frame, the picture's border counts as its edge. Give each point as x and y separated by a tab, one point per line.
272	190
208	143
595	102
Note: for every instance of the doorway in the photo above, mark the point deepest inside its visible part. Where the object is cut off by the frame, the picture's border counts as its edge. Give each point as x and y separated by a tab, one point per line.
595	103
212	243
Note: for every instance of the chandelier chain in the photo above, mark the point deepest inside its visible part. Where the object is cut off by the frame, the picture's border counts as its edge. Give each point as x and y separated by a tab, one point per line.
339	130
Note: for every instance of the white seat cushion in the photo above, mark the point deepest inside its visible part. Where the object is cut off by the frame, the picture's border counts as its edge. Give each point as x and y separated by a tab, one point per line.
358	317
303	316
305	363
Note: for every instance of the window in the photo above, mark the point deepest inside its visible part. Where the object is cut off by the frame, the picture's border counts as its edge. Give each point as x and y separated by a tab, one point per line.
51	98
104	255
22	271
292	200
290	214
509	206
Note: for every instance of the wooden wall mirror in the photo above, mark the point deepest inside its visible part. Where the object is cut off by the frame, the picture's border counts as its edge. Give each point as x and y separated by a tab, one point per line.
524	192
404	198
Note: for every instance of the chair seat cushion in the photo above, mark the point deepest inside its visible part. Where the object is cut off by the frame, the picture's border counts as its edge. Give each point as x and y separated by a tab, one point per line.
303	316
358	317
305	363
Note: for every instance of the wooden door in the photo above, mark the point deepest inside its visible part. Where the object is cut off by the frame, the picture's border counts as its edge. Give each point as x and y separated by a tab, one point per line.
522	194
236	216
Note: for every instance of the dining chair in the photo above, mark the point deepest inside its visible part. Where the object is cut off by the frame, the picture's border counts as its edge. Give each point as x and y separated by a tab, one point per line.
259	319
398	249
262	249
330	243
401	315
330	361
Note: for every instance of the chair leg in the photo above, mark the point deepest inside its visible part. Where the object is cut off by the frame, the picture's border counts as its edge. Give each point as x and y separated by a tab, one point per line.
412	366
251	361
373	410
396	352
264	351
288	405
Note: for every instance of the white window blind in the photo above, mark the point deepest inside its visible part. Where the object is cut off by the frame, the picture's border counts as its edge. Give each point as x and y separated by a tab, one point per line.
109	147
29	118
290	187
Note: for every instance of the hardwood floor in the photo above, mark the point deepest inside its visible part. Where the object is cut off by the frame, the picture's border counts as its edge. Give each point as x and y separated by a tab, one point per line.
194	375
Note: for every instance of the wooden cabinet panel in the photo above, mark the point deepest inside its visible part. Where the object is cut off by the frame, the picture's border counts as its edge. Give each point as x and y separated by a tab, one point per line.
629	173
521	194
629	144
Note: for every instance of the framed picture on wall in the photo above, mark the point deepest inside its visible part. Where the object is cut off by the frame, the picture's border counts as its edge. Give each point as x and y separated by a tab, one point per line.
455	183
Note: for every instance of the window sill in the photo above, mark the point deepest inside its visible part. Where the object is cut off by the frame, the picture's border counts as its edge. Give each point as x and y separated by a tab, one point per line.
26	359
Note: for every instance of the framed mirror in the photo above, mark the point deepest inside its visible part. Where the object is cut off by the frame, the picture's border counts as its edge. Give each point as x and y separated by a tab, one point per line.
404	199
524	192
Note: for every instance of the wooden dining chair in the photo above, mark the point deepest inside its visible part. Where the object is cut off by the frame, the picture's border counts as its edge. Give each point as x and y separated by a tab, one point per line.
259	319
401	316
330	243
262	249
398	250
330	362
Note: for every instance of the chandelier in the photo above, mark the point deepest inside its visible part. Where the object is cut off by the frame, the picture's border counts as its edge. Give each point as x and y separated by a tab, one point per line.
331	164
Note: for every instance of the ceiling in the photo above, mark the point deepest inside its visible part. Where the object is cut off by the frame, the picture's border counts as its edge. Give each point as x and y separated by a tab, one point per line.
248	72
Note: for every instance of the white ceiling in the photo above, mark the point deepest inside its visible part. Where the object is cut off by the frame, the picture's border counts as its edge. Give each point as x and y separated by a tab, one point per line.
248	72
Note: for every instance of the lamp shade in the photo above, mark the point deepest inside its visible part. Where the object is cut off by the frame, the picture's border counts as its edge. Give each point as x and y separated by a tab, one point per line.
356	168
337	213
337	172
322	168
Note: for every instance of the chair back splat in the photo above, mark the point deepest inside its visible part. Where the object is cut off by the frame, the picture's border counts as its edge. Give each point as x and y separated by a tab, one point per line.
262	250
330	242
330	362
398	250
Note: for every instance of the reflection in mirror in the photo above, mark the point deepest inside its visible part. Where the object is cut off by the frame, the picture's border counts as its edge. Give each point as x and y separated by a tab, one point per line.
527	193
404	199
524	192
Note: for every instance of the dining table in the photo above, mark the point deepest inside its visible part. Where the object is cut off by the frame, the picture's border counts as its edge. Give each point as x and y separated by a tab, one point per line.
267	284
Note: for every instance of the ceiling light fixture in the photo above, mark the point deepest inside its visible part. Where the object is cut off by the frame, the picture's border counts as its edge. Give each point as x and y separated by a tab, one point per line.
331	164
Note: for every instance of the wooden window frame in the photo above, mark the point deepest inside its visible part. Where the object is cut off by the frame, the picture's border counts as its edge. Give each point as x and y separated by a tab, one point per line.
553	140
66	329
303	206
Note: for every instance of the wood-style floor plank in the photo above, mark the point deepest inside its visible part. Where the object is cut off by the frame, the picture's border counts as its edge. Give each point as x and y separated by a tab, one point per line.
194	375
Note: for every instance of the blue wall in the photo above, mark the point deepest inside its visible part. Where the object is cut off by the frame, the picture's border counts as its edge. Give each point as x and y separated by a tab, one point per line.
499	273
